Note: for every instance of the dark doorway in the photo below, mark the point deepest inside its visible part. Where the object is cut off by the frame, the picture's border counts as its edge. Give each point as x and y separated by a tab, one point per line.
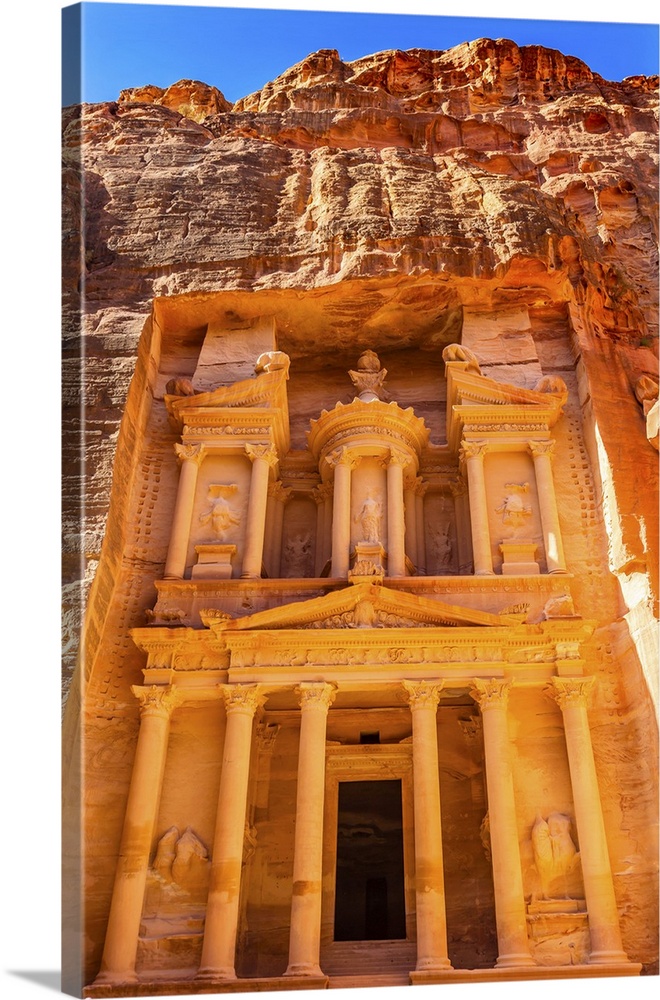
369	888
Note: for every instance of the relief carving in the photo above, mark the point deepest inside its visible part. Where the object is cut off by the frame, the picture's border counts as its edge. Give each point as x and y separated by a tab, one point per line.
297	555
441	545
369	519
181	859
221	515
555	856
513	509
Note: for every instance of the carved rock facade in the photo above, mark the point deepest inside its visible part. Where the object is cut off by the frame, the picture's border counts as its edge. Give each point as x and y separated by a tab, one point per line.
372	623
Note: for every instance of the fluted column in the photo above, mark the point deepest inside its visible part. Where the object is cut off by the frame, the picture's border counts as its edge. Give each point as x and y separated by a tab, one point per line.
277	498
420	489
606	946
473	453
458	489
190	456
218	951
121	938
410	505
423	697
513	945
322	497
305	940
396	527
263	458
343	462
542	452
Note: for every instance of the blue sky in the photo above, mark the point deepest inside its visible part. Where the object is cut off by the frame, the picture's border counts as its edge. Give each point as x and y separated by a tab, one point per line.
238	50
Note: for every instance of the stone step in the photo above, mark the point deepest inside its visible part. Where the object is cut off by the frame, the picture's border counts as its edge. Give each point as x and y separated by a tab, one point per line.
364	982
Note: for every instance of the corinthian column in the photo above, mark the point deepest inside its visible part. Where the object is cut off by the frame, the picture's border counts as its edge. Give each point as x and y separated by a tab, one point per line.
472	453
190	456
423	697
542	452
263	459
121	938
305	940
322	496
420	489
458	489
343	463
218	951
513	945
410	504
606	945
396	529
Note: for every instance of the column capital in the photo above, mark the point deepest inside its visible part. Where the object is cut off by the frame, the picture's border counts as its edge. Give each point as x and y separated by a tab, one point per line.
342	456
321	493
492	693
242	699
397	457
313	694
423	694
472	449
264	451
279	492
189	452
458	487
542	448
570	692
156	700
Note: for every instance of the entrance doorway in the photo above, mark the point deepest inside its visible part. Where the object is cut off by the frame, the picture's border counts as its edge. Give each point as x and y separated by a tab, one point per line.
369	887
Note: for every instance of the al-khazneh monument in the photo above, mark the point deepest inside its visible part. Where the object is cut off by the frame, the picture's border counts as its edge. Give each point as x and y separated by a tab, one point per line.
367	683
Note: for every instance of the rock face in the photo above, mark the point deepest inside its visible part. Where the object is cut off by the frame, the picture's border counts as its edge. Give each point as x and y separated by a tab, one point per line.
499	197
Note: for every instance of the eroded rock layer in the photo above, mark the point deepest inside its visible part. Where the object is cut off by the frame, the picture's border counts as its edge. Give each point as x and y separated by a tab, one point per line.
499	196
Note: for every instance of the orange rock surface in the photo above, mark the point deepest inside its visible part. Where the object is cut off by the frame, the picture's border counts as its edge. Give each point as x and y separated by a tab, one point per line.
499	197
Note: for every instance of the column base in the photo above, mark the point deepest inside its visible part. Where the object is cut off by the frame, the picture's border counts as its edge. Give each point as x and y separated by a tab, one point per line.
608	958
515	961
224	974
433	965
107	978
304	969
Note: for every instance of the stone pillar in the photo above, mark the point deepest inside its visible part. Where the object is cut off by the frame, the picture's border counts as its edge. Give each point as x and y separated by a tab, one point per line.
542	452
263	458
322	497
190	456
513	945
423	697
305	940
396	528
277	498
410	504
420	489
343	463
121	938
472	453
218	951
462	519
606	945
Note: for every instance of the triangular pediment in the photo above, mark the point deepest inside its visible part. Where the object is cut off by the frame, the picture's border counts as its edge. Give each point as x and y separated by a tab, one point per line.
363	605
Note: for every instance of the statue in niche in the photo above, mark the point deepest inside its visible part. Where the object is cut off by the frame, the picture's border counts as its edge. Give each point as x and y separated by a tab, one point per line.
513	508
296	552
441	542
555	854
369	519
221	516
182	859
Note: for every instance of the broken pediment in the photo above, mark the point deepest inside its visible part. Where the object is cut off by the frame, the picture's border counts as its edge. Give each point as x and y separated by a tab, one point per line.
364	605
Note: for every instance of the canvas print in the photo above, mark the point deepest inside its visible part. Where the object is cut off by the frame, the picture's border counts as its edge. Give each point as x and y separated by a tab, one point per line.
360	506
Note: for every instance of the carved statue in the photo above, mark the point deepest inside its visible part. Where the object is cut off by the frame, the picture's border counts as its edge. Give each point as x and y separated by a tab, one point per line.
369	519
221	516
551	383
560	606
513	509
442	543
296	553
555	854
272	361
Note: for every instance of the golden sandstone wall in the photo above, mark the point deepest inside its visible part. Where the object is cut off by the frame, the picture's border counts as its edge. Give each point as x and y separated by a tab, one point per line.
500	197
